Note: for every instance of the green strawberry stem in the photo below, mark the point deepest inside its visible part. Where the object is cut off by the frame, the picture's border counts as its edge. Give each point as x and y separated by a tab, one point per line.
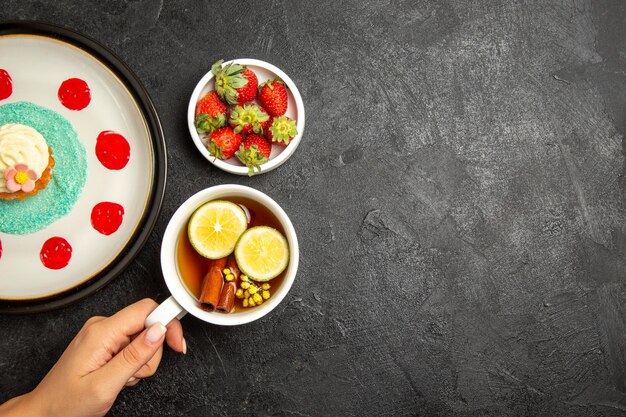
270	83
227	79
208	124
248	114
215	150
251	158
283	129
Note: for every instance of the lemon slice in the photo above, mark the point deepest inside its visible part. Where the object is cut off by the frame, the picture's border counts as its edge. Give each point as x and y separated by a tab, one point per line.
262	253
215	227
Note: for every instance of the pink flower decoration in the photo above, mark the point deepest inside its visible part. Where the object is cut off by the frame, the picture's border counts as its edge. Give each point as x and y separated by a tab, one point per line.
20	177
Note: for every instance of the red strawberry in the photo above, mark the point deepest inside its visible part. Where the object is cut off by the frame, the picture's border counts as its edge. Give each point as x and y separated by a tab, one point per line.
223	143
234	83
273	97
248	118
282	129
262	144
210	113
211	104
248	91
254	151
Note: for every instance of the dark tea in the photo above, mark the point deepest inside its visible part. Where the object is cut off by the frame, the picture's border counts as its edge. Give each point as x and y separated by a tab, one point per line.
193	268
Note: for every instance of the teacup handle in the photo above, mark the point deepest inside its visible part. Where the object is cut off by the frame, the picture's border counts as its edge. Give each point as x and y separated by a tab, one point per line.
166	312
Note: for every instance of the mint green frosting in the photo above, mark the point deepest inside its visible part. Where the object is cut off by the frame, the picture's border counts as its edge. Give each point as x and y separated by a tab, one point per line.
69	172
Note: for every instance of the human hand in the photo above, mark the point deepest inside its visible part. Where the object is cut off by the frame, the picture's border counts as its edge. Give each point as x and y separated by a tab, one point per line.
106	355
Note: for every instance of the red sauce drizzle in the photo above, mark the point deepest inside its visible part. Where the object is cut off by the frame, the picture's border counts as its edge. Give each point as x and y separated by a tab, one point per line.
6	84
112	150
55	253
74	94
106	217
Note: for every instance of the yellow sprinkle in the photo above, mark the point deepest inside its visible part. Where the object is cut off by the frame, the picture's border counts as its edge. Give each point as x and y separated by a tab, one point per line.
245	285
253	289
266	295
244	278
257	299
251	302
226	271
239	293
245	303
266	286
230	277
246	294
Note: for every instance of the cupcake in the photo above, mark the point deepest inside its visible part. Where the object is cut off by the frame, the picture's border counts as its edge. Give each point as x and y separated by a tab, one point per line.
25	162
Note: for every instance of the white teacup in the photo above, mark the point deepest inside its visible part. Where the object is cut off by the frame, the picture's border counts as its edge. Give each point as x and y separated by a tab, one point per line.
182	301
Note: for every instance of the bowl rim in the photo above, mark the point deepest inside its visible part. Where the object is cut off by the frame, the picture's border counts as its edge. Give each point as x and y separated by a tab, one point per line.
169	245
272	163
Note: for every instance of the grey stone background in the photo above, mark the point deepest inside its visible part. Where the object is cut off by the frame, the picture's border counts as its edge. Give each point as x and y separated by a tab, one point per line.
458	195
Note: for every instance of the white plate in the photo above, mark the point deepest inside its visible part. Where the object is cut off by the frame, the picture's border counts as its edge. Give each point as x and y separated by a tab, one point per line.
295	110
37	66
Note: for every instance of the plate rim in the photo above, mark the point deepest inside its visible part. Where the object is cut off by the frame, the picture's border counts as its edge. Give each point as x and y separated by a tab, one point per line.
159	162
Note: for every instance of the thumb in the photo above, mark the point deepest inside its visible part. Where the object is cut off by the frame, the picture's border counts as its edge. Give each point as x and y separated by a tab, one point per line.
130	359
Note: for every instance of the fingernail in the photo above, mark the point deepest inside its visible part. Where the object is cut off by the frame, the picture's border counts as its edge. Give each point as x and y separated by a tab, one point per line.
184	346
155	333
131	379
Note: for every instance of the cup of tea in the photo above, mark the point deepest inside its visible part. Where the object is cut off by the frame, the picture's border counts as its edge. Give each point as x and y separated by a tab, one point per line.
185	269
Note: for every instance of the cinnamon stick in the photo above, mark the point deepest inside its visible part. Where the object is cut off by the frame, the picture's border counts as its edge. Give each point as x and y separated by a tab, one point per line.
227	297
212	285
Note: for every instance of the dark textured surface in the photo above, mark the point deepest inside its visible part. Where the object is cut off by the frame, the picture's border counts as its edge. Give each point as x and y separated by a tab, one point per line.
458	194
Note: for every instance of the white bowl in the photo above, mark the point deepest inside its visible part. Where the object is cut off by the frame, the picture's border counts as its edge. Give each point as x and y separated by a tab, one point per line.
182	301
295	110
